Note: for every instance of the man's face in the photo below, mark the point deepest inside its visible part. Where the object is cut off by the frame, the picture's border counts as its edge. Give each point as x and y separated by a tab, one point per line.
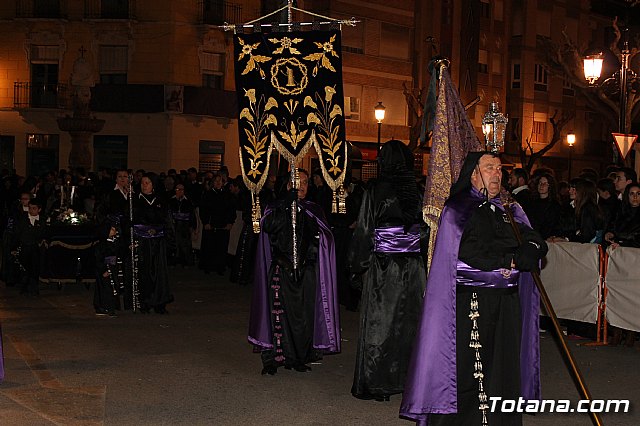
180	191
303	186
217	182
620	181
146	185
488	174
24	199
122	179
34	210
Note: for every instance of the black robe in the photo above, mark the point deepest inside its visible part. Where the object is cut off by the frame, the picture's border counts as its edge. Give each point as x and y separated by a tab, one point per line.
296	293
218	211
152	270
393	285
184	221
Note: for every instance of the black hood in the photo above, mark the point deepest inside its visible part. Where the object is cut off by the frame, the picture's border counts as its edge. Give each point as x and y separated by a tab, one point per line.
464	180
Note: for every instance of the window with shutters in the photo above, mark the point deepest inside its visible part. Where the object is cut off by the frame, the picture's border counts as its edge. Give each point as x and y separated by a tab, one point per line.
212	67
540	78
114	61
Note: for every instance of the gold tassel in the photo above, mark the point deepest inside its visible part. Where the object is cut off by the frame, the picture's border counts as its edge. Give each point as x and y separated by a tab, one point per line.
342	200
256	215
334	203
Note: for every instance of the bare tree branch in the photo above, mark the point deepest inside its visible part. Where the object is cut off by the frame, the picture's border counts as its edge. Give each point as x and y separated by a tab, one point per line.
529	159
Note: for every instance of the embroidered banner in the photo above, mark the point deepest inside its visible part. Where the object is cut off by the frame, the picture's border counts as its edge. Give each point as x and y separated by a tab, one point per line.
290	97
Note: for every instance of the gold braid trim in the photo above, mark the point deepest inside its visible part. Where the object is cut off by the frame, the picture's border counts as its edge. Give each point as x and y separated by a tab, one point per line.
292	159
255	188
339	198
428	213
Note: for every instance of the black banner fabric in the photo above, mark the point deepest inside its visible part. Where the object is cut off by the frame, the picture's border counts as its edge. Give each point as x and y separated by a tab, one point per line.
290	96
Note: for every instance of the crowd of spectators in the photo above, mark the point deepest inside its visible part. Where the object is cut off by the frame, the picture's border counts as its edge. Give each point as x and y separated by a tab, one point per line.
586	209
594	209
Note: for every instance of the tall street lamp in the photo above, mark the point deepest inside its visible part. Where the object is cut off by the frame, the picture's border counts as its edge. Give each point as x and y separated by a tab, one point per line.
494	124
379	110
571	139
592	69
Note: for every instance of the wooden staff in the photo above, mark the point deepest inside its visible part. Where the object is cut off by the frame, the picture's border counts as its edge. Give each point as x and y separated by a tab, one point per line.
573	367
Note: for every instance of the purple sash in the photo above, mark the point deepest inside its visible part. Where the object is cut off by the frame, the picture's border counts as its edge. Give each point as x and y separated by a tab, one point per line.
468	275
148	231
396	240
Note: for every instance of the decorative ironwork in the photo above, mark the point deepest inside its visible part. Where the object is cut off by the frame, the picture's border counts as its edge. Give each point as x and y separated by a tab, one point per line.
30	95
47	9
216	12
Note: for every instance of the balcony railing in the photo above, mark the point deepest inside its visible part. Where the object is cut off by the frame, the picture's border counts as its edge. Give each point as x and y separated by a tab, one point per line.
215	12
49	9
110	9
30	95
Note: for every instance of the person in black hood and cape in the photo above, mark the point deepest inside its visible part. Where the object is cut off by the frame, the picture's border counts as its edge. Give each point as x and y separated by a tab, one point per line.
478	333
386	251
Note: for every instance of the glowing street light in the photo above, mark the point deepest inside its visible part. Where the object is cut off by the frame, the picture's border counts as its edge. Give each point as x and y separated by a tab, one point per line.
379	111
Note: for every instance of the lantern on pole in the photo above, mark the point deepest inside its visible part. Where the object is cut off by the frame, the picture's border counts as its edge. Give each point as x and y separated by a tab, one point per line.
592	67
494	125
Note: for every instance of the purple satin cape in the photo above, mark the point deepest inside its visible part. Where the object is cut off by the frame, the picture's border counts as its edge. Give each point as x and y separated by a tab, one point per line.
431	385
395	240
326	330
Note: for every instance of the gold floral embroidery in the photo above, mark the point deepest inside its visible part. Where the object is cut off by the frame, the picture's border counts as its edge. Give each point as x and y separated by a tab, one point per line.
322	58
327	121
258	121
254	60
286	44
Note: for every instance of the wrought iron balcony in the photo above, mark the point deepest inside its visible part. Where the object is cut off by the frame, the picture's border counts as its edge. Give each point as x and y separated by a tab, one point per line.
30	95
48	9
216	12
110	9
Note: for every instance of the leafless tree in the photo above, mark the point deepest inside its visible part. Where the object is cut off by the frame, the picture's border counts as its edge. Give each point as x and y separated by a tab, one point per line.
528	156
565	60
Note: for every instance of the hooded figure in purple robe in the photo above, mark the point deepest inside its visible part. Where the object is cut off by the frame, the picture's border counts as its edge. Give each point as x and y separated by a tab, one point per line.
294	311
478	333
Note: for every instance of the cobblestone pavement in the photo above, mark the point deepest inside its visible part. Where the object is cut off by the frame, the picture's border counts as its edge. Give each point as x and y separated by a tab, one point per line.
66	366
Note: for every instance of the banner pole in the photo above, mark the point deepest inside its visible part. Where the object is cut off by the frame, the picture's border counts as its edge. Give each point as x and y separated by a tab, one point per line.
573	367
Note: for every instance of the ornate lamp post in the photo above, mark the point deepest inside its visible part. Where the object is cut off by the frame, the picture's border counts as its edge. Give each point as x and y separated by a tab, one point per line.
571	139
379	111
592	70
494	124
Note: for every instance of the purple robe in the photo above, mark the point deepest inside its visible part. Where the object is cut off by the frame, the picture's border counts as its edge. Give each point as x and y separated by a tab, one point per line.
326	330
431	385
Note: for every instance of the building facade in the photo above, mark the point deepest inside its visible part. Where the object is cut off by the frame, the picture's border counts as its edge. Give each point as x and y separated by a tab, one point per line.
161	75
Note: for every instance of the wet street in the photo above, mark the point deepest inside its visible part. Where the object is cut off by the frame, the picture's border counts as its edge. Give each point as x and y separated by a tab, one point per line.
66	366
